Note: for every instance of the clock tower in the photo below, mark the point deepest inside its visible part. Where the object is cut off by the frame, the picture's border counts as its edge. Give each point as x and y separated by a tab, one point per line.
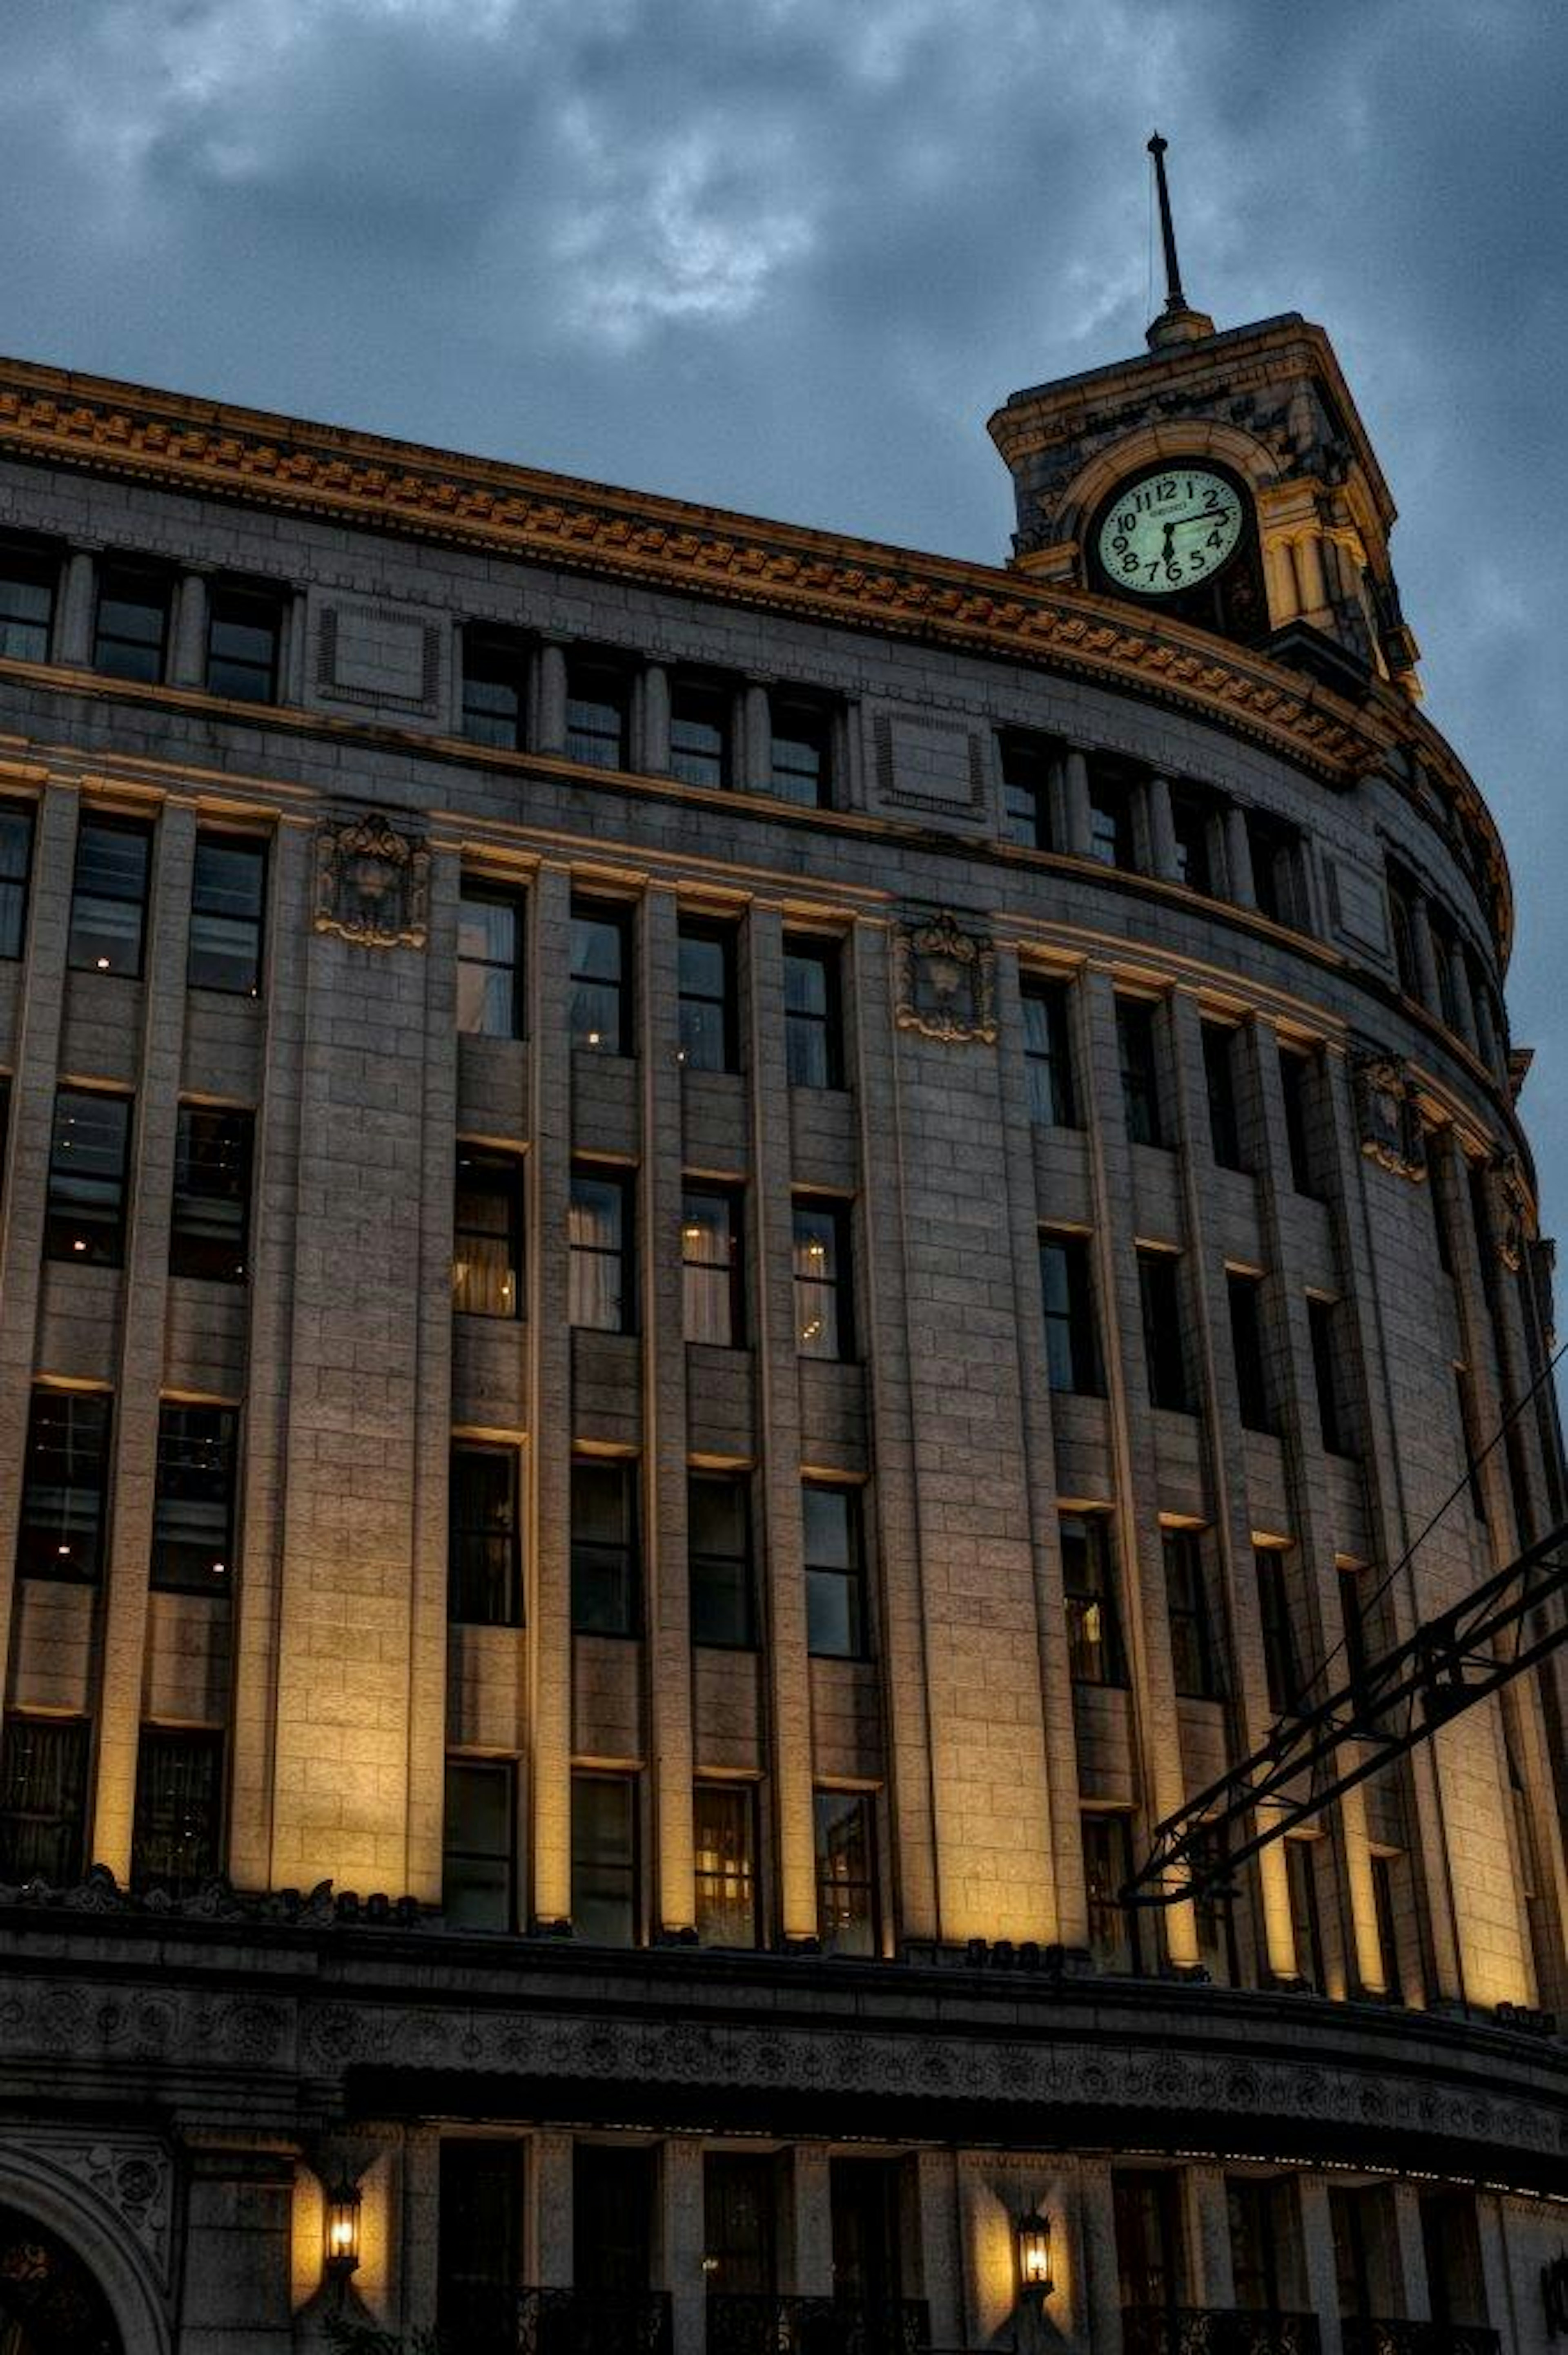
1223	479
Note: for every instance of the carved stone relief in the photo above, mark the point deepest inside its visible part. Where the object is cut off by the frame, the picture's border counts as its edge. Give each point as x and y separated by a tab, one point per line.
373	884
944	980
1511	1208
1388	1116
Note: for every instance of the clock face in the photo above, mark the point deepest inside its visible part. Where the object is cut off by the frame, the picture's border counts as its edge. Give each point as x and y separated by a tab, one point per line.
1168	529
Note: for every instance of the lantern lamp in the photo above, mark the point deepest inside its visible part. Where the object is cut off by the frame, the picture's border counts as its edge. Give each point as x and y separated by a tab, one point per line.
342	2202
1033	2239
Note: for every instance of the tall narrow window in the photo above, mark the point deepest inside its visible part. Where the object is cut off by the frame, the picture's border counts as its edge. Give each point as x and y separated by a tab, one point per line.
718	1557
1192	818
1220	1042
824	1292
1048	1052
847	1874
813	1048
601	979
724	1858
1110	815
1107	1869
1322	1318
835	1571
1245	1295
1276	853
84	1220
1403	901
484	1566
65	1484
1387	1916
599	711
175	1838
494	686
599	1295
131	631
1281	1665
700	731
1297	1083
1066	1285
1159	1293
479	2262
479	1846
490	963
244	637
43	1800
193	1501
1305	1925
604	1860
800	751
210	1221
1151	2253
707	998
1193	1647
28	579
1139	1054
109	897
16	859
487	1233
605	1567
713	1266
228	893
1026	764
1094	1632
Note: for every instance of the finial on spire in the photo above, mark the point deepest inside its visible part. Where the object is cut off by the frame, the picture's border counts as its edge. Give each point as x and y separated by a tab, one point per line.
1178	323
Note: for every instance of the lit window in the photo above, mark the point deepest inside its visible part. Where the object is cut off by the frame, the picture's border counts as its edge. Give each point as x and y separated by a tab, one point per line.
601	977
847	1874
713	1271
487	1238
824	1293
84	1218
599	1295
109	898
64	1486
193	1501
1094	1633
723	1840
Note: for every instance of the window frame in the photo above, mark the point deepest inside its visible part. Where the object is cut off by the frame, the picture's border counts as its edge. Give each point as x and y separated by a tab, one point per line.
1049	1062
822	1031
615	918
495	728
105	1219
699	700
503	1773
583	1256
851	1577
631	1868
837	1284
857	1936
736	1586
742	1797
620	1557
19	556
210	840
197	1742
697	932
94	826
207	1257
821	719
1095	1658
594	746
1072	1327
477	1580
128	570
1024	764
507	1169
264	599
477	891
18	825
36	1538
1138	1060
164	1575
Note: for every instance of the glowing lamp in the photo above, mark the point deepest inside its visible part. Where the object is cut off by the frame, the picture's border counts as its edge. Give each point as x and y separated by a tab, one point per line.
1033	2243
341	2256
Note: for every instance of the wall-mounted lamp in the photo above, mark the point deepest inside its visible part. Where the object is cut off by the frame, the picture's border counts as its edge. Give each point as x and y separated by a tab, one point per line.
1032	2238
342	2251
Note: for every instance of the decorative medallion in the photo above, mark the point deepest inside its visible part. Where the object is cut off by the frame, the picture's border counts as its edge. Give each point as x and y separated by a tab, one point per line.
1511	1208
1387	1114
373	884
944	980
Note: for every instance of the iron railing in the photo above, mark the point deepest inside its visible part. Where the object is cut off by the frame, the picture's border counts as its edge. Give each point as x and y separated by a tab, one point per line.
1217	2330
485	2322
1381	2335
815	2326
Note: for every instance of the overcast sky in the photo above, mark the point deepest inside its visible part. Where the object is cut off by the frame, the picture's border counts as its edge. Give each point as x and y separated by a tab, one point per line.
786	255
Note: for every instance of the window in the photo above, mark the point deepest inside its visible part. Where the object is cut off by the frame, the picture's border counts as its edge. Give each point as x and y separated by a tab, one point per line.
1243	1294
479	2263
1220	1042
1281	1669
1026	766
847	1874
1160	1292
700	727
599	711
229	892
707	982
1322	1318
723	1845
1194	1664
43	1800
1151	2254
487	1233
604	1859
1387	1910
713	1266
1139	1069
1446	955
1275	852
244	638
800	751
1297	1081
1107	1869
740	2225
494	683
601	979
478	1845
718	1555
606	1566
1071	1348
64	1486
484	1564
1110	817
1192	818
1048	1053
824	1292
1403	903
1093	1631
175	1840
598	1286
193	1501
209	1225
109	898
490	963
1265	2243
133	625
835	1571
16	858
84	1219
27	578
813	1051
1306	1927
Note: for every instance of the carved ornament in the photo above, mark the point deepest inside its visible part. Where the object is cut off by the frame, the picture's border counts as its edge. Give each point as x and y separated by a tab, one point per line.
1511	1218
944	980
373	884
1388	1116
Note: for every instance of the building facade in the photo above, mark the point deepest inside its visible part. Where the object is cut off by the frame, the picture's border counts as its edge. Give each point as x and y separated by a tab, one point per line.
721	1249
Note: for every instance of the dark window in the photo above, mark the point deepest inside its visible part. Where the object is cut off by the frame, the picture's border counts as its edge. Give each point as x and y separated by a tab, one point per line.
713	1266
1352	1618
1306	1927
85	1217
109	898
479	2267
490	963
175	1838
1066	1285
847	1874
16	858
601	979
1220	1081
1195	1649
1264	2244
1299	1085
244	637
1437	1184
1160	1292
193	1502
1135	1043
812	1031
1321	1318
487	1233
1275	850
1388	1914
600	1293
478	1845
1445	953
27	578
210	1222
740	2224
1191	825
605	1567
1094	1630
1402	899
707	1009
718	1554
1107	1869
599	711
835	1571
800	752
64	1486
484	1565
1469	1433
604	1860
228	893
132	623
1026	765
824	1290
1243	1293
700	722
494	684
1281	1668
1151	2254
1048	1053
1111	817
43	1800
723	1855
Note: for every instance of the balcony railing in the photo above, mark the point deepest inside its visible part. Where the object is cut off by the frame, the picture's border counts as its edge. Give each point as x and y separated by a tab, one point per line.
815	2326
1216	2330
1378	2335
482	2321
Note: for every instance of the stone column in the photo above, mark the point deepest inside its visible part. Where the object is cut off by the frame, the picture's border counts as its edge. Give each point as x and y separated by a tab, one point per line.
187	649
1426	950
1318	2260
941	2276
79	603
1412	2253
239	2212
1101	2299
549	712
1238	858
550	2222
654	734
550	1453
754	761
1161	830
1079	826
683	2237
1209	2211
420	2226
811	2221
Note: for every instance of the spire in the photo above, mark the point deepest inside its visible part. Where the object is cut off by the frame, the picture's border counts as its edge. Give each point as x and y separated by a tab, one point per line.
1178	323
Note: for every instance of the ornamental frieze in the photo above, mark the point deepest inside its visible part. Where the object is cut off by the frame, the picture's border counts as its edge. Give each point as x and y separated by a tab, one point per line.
373	884
944	980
